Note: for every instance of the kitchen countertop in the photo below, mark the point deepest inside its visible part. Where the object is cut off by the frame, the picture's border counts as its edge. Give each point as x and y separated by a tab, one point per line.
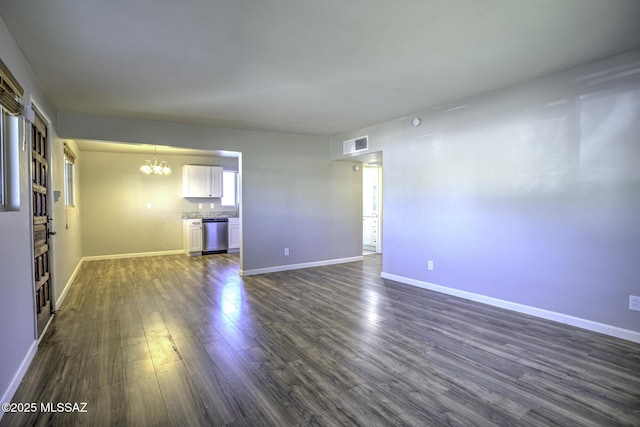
209	214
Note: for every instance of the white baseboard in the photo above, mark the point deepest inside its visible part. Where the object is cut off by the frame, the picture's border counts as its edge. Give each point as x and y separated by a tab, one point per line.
17	378
132	255
64	292
299	266
590	325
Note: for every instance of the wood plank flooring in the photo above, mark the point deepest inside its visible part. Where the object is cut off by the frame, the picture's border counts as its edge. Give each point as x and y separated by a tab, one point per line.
179	341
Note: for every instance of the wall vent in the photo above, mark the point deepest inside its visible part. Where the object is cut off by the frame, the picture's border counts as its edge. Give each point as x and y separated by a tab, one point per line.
355	145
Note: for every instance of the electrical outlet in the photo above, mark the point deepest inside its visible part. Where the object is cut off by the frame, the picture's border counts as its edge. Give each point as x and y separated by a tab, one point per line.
199	205
286	251
430	265
211	206
634	302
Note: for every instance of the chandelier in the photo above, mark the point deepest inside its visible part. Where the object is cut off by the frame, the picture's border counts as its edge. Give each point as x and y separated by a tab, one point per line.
161	168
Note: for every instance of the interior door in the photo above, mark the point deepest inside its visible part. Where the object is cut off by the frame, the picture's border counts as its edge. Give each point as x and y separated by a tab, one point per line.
41	219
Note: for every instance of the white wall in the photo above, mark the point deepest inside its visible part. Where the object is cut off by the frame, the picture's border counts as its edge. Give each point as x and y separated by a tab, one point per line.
528	194
292	194
17	318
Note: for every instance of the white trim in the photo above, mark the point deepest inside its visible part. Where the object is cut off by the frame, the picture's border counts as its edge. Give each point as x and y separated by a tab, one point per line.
31	239
614	331
278	268
34	104
19	375
132	255
63	294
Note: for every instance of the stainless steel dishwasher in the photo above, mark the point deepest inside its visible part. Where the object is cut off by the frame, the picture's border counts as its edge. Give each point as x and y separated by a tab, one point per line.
215	235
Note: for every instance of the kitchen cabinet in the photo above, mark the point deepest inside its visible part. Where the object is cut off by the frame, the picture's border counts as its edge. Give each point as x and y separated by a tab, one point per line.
192	236
234	233
370	232
201	181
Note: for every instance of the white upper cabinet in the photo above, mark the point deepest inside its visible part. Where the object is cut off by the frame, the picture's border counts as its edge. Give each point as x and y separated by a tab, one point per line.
216	181
201	181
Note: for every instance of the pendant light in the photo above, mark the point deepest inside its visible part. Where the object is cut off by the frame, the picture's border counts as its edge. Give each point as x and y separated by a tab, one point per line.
155	167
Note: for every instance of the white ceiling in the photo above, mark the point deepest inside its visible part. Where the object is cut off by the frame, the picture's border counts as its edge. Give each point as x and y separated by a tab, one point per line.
301	66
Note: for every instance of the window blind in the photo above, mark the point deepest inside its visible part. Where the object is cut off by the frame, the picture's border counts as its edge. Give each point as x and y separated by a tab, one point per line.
10	92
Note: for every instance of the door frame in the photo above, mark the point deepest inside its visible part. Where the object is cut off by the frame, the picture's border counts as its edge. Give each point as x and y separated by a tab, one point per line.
34	108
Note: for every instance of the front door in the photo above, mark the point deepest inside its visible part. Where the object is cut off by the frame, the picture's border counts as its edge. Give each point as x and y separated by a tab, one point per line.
41	218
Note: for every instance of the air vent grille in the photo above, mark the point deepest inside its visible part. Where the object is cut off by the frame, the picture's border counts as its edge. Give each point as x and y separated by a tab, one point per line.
355	145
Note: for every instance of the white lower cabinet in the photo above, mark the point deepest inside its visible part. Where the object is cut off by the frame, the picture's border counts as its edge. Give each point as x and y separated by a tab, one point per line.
192	236
234	233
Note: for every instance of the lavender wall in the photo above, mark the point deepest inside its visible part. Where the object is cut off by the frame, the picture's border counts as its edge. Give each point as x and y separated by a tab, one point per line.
530	194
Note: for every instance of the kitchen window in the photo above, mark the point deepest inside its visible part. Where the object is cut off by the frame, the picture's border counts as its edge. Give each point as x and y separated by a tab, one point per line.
69	176
230	188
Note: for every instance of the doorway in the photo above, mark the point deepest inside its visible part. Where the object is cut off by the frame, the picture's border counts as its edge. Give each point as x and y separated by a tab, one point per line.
371	209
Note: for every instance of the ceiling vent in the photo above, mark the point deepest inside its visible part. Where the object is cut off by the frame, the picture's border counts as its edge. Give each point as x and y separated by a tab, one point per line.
355	145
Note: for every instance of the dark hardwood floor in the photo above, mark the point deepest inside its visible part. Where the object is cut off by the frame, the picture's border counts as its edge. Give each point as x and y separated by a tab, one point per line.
173	340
